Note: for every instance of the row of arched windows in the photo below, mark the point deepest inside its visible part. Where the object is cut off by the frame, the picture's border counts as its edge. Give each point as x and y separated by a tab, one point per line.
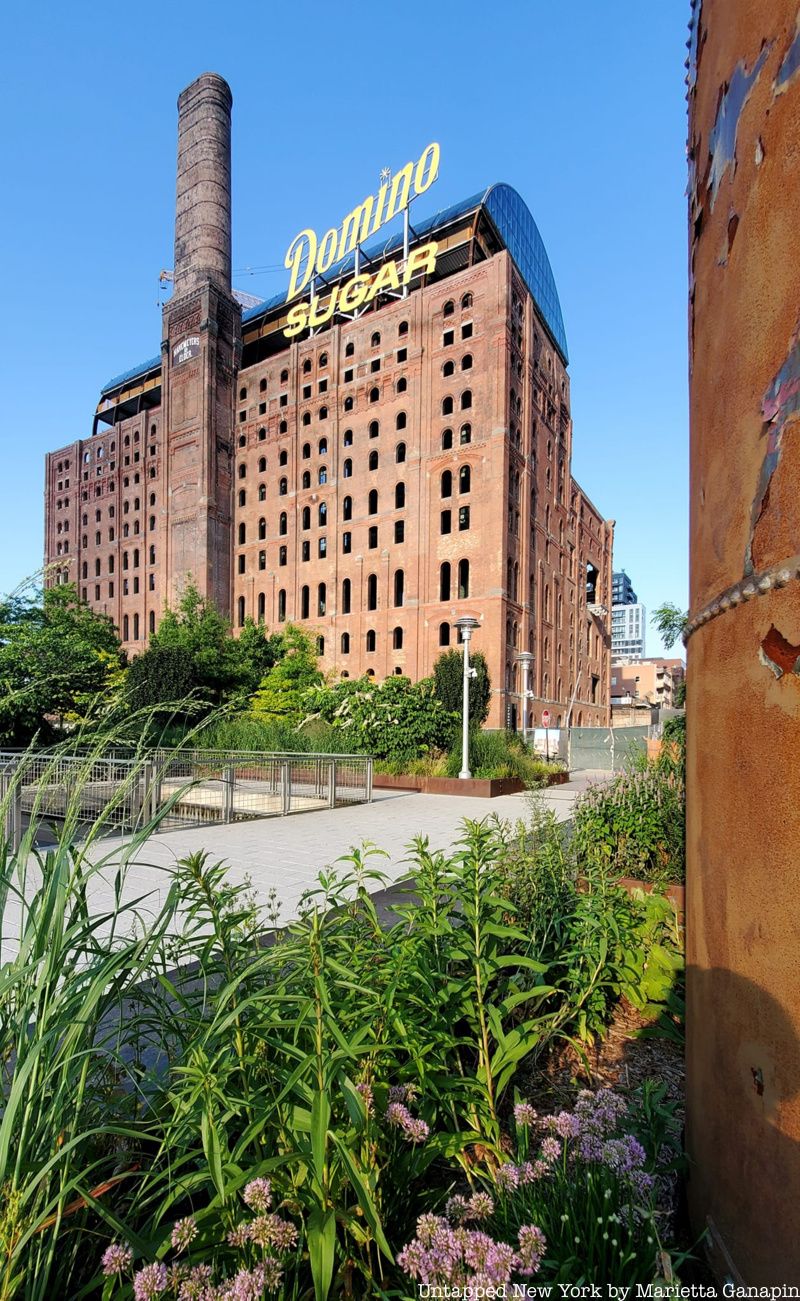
465	402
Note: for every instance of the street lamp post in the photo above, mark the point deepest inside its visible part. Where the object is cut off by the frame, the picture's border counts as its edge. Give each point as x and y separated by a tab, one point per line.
525	658
466	625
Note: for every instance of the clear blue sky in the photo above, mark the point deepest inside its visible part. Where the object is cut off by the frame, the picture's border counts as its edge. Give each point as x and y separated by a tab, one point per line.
578	105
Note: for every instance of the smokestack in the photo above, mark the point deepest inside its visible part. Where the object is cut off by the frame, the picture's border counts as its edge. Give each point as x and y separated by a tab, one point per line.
203	192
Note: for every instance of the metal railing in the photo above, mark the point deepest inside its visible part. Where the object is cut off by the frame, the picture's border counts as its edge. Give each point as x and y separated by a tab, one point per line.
179	787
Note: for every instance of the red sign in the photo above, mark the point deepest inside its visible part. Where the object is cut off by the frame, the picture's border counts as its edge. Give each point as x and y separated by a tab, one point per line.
545	718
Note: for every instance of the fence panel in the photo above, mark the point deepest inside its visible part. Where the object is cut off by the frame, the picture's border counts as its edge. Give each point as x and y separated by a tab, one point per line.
605	749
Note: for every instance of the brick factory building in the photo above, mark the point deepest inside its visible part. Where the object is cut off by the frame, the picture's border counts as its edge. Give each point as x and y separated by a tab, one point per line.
372	480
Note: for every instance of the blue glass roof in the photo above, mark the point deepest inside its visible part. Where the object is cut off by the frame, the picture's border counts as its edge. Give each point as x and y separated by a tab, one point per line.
516	227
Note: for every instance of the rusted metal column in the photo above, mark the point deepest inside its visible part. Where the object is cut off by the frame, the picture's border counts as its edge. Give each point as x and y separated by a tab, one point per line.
743	698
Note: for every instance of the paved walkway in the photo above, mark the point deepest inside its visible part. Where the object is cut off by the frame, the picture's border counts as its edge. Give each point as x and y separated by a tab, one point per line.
286	854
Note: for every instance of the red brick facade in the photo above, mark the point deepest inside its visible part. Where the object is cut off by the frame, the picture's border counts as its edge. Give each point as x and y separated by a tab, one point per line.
373	482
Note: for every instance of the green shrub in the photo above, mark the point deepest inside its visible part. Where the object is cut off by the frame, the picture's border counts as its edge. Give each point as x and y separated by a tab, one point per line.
448	680
635	825
493	755
396	720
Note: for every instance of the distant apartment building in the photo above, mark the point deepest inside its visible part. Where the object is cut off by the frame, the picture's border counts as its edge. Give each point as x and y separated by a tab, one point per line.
628	625
646	682
622	592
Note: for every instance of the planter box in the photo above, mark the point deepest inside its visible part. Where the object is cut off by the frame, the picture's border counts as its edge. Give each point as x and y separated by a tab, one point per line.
675	892
483	788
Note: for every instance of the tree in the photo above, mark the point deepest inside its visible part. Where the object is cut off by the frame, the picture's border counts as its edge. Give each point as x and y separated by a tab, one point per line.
220	666
56	655
279	698
162	675
671	623
448	679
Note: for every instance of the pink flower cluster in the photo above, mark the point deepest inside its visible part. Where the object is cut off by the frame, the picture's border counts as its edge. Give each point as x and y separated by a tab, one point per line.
480	1206
413	1127
442	1254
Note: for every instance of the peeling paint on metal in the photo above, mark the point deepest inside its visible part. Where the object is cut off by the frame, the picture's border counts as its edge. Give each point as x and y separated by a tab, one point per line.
722	145
693	44
780	403
759	151
791	63
778	654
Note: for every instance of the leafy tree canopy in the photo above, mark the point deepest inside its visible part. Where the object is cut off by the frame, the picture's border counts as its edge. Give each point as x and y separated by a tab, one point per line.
279	697
448	679
56	654
670	621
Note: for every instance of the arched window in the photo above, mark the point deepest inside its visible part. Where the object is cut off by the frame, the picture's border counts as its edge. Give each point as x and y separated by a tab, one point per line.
306	517
136	627
444	581
402	328
283	488
242	496
444	634
125	628
375	340
322	476
282	524
463	578
305	602
347	438
262	527
350	349
399	496
448	368
240	611
345	643
372	592
306	418
466	302
397	639
466	399
447	406
262	558
283	556
373	460
347	508
402	385
464	478
262	607
466	362
347	470
448	308
465	434
347	591
447	439
152	622
348	404
401	421
400	453
322	514
262	434
306	366
447	484
306	479
306	451
322	447
370	645
323	413
399	587
152	555
374	428
243	471
281	605
262	465
283	457
136	558
374	395
372	502
322	596
242	535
